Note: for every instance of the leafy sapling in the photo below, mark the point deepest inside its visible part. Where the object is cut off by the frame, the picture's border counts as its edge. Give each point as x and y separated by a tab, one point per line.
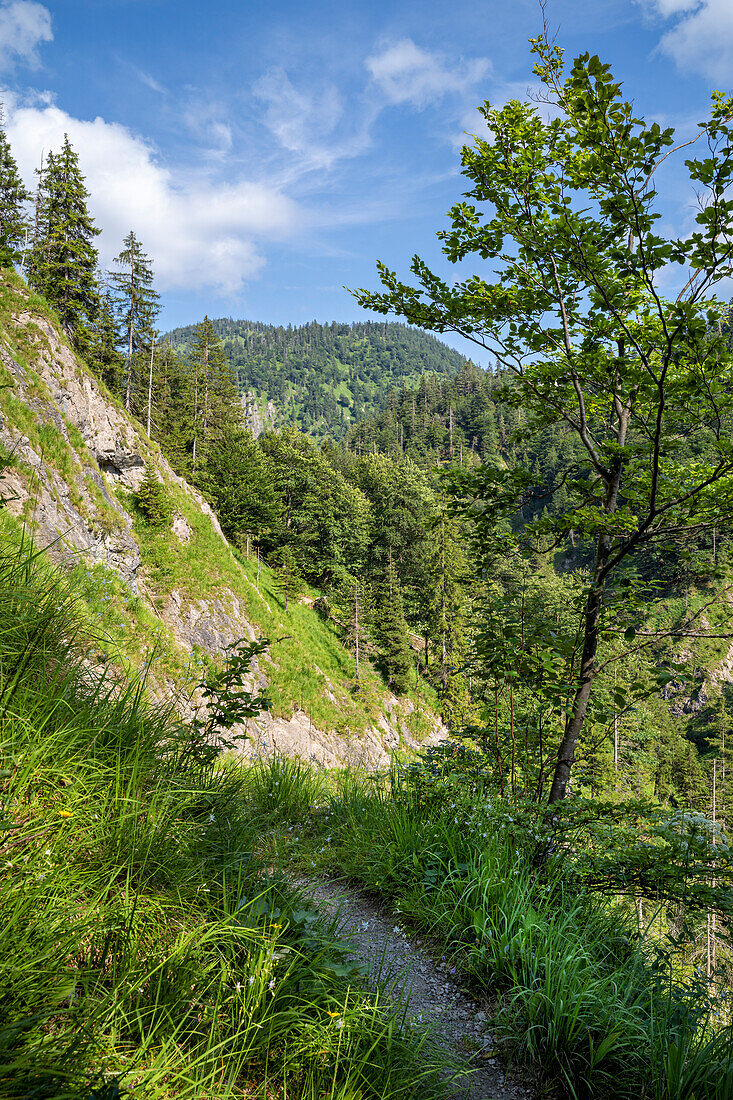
228	701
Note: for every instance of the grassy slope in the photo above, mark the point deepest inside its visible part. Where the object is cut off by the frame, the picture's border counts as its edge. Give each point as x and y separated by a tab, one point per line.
309	658
144	945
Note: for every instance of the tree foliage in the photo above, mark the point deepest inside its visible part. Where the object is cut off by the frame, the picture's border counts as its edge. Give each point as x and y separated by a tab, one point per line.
14	221
567	210
63	263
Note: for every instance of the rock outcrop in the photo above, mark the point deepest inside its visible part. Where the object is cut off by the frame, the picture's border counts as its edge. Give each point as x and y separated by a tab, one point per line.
73	448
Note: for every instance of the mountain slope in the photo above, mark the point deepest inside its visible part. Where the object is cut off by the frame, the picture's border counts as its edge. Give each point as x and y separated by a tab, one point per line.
178	593
323	378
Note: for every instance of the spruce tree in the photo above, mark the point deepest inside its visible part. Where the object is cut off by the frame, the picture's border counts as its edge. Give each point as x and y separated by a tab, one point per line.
64	260
238	482
216	403
288	580
137	305
104	354
153	500
391	628
173	423
14	223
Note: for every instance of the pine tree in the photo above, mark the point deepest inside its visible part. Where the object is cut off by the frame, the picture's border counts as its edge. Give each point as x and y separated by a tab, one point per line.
104	354
137	305
288	580
64	260
215	397
153	501
391	630
14	223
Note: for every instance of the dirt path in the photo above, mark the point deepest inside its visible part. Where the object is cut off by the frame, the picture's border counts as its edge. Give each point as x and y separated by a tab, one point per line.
404	969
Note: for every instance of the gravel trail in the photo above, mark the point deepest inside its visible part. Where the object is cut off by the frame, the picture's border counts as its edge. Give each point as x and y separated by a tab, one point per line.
403	969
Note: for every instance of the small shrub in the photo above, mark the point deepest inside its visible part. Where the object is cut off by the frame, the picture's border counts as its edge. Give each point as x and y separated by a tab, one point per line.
153	501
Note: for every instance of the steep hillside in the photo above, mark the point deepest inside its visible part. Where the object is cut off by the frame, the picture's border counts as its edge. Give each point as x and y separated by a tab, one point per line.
168	599
323	378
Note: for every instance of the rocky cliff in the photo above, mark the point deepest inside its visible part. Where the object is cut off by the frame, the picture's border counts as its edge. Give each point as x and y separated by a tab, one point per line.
74	460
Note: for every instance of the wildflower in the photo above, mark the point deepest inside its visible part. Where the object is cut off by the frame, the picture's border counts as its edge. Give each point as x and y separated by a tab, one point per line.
65	813
271	985
339	1023
250	979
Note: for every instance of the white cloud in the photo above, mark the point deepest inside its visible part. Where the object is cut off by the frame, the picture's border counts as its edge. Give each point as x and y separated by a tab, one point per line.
407	74
205	122
702	38
198	233
24	26
312	122
666	8
148	80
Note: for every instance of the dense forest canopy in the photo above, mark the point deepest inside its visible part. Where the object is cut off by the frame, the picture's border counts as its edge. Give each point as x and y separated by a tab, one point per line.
324	377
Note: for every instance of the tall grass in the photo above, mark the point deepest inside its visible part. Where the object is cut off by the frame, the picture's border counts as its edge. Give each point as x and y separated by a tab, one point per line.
143	943
594	1008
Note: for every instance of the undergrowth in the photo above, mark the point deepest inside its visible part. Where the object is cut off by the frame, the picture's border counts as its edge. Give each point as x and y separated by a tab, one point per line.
146	947
596	1006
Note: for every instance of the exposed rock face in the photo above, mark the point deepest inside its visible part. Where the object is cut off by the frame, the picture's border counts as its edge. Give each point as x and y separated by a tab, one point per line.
79	513
257	421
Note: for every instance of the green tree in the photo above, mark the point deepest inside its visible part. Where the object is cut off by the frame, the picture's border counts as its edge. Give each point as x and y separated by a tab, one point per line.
288	579
239	483
173	422
14	195
323	518
137	308
215	403
153	500
63	265
391	633
104	355
576	313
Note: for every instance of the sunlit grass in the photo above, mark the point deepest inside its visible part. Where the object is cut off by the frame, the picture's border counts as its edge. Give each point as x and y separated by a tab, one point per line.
144	943
596	1010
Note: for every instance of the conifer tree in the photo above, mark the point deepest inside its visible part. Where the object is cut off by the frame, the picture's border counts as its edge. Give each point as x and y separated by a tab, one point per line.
215	398
288	580
104	354
137	304
391	630
64	258
173	423
240	486
356	636
153	501
14	223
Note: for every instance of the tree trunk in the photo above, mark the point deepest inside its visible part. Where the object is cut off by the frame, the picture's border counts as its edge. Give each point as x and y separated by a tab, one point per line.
574	723
128	383
356	626
150	383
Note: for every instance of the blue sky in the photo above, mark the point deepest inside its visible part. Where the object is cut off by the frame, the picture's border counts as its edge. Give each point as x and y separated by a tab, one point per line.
268	153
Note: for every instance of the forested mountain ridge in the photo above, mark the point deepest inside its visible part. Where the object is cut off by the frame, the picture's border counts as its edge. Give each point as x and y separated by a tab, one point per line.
322	378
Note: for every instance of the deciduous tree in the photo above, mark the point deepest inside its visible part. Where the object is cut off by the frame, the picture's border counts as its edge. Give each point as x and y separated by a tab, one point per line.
566	212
